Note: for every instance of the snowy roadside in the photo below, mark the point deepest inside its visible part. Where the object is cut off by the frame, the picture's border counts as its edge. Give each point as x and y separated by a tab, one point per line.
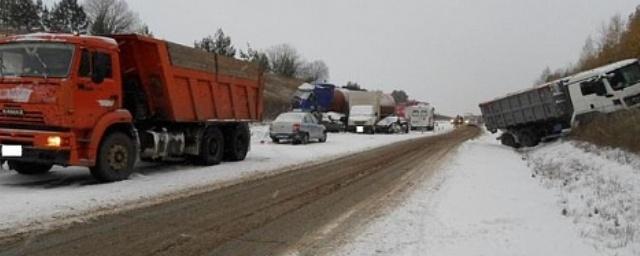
484	202
598	190
69	194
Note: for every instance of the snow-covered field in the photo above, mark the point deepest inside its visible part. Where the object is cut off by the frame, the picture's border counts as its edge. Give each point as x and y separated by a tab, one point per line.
70	194
492	200
598	190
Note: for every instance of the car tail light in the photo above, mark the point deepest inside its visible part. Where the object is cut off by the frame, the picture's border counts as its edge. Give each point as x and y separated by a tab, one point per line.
296	127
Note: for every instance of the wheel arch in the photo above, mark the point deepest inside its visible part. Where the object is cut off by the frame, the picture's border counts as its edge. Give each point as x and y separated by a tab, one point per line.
118	121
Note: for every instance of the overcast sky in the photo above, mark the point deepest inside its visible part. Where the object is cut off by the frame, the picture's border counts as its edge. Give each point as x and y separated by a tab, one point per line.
452	53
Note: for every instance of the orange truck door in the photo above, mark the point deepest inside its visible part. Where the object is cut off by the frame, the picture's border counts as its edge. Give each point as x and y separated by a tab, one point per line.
93	99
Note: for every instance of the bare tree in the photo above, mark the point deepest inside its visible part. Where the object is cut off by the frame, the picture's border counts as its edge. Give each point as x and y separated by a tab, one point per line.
314	71
111	17
284	60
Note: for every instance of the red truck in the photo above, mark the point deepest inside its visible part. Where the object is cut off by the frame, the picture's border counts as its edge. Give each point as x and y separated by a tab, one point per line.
105	102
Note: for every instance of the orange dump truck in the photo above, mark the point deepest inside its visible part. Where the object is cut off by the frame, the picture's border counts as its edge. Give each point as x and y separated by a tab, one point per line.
104	102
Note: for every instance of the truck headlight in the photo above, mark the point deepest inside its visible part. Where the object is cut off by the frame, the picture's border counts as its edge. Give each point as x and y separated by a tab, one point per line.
54	141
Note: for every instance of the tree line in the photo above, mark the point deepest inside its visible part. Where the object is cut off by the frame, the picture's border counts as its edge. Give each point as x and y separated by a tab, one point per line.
96	17
617	40
282	59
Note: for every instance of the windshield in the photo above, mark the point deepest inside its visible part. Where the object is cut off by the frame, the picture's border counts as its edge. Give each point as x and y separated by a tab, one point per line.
290	117
35	59
388	120
625	77
362	110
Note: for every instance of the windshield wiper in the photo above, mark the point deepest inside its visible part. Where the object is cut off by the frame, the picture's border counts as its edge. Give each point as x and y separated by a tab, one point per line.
45	70
1	67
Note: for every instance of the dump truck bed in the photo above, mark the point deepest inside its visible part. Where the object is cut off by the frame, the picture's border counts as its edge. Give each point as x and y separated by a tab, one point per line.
540	104
183	84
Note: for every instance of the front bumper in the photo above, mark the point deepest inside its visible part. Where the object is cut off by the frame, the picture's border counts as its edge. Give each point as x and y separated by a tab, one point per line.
35	148
43	156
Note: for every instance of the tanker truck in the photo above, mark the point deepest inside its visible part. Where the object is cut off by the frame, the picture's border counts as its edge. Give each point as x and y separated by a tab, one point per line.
105	102
549	110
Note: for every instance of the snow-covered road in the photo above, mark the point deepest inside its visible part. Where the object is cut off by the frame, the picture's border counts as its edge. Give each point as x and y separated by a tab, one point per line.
485	202
71	194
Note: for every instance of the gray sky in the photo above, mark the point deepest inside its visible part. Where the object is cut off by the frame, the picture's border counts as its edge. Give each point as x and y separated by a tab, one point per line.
452	53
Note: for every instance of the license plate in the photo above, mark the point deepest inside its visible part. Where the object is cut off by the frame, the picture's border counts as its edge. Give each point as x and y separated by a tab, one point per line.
359	129
11	150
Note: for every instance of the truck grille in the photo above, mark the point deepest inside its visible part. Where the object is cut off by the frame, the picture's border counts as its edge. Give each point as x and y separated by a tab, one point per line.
360	122
29	117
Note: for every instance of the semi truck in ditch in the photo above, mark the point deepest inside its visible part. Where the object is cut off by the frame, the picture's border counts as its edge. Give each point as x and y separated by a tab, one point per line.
527	117
104	102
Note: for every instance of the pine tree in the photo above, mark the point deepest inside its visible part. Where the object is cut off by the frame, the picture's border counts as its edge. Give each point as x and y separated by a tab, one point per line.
21	15
257	57
218	44
68	16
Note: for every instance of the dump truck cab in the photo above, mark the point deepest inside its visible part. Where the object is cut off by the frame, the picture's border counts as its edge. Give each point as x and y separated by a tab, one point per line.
58	91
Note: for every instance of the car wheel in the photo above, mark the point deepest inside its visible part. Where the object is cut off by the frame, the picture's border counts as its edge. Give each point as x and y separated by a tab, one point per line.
323	138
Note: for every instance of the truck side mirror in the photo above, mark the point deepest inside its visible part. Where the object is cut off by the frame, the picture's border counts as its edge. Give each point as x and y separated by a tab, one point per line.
99	68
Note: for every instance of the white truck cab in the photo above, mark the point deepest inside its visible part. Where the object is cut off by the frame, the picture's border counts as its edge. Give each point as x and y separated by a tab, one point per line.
605	89
363	118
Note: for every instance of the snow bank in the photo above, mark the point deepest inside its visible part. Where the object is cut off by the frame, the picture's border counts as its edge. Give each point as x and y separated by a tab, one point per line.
36	202
598	189
483	202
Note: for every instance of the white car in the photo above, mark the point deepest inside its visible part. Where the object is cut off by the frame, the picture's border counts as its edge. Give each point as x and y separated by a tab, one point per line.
297	127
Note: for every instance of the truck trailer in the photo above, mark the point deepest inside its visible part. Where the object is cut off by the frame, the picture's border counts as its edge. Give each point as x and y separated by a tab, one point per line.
552	109
104	102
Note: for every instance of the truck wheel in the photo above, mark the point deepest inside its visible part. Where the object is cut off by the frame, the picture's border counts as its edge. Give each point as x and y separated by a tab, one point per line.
275	140
116	157
211	147
529	139
323	139
237	143
508	140
29	168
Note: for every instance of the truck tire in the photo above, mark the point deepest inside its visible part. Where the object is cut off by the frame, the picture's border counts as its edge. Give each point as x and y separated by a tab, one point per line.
508	140
237	143
211	147
529	139
25	168
116	158
275	140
